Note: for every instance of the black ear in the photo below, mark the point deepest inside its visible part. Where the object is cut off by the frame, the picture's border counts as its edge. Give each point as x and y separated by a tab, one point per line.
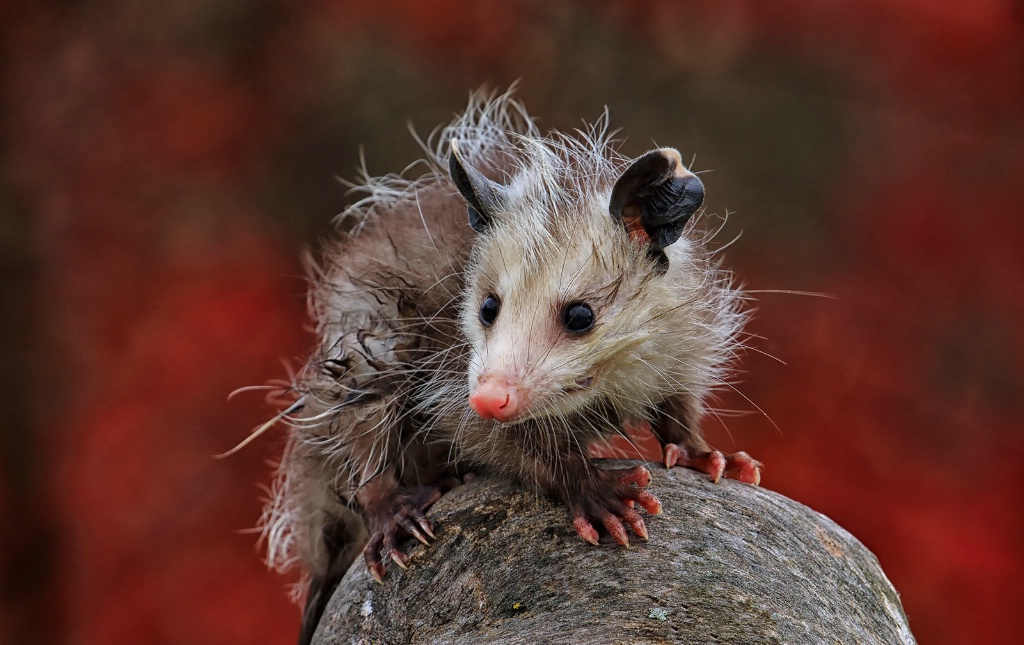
484	196
655	197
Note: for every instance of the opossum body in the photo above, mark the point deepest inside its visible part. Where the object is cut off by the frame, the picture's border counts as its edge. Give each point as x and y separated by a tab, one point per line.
526	297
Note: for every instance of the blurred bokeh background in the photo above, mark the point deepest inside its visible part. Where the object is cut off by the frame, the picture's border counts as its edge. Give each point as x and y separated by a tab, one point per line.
163	166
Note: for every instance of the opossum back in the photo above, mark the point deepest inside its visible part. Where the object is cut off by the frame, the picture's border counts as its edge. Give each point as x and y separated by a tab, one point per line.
404	256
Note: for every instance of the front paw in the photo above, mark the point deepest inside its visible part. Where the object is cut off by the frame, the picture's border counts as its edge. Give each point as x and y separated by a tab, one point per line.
393	519
609	497
739	465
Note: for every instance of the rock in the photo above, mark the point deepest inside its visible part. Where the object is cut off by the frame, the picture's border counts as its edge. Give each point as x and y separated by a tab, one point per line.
726	562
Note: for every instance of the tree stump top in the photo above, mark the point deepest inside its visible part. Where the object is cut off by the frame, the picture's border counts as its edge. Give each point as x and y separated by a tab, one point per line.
726	562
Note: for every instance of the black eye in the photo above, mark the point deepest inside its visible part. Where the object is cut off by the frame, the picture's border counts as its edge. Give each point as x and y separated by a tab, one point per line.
578	318
489	310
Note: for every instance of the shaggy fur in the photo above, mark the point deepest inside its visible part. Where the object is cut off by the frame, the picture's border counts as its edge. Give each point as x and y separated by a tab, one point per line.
381	405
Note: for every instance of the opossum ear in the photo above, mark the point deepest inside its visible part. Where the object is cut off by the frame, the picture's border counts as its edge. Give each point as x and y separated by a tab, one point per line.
655	197
484	196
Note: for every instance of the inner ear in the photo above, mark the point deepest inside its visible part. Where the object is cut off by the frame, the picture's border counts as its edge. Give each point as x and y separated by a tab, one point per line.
483	196
655	197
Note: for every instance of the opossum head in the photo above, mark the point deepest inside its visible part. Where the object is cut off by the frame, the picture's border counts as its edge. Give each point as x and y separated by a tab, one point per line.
579	292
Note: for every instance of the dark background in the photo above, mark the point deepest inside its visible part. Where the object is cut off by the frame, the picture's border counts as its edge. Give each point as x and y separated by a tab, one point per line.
164	165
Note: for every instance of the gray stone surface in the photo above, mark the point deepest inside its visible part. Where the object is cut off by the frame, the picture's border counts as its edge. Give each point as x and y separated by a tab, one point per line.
726	563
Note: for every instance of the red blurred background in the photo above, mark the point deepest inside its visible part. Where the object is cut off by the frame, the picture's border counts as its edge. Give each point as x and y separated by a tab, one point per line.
163	166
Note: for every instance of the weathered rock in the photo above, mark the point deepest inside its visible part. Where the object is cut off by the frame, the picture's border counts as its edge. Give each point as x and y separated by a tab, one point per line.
727	562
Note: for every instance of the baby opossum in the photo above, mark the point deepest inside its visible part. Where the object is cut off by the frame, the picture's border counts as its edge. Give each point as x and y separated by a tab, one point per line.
525	297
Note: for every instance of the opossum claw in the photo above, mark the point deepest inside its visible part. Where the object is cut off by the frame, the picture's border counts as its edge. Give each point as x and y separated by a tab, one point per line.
414	523
585	529
639	528
649	502
371	553
610	498
671	455
739	466
713	463
377	571
424	524
616	529
415	532
399	558
385	541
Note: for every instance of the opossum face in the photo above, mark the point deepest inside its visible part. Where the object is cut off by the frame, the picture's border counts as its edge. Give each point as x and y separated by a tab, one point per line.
552	326
566	304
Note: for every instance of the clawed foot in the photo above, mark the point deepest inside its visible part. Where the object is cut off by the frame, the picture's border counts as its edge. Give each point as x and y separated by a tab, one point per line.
402	515
609	498
739	465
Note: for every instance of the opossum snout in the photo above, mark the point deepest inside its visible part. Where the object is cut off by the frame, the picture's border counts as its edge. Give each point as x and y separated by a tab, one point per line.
495	398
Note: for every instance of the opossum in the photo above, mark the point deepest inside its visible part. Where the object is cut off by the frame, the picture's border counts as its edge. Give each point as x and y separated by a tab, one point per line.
525	297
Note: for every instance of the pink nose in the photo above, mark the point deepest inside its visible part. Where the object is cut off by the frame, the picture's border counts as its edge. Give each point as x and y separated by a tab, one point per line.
495	398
